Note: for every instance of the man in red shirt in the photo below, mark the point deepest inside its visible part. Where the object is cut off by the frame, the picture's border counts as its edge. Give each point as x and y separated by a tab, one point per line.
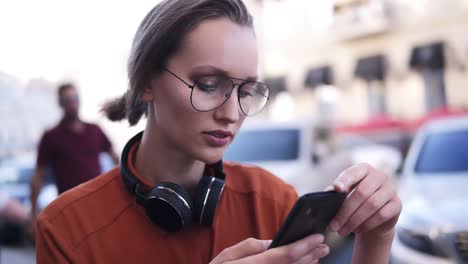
70	150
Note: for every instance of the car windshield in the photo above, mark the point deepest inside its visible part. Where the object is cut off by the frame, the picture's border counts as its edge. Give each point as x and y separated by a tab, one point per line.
444	152
264	145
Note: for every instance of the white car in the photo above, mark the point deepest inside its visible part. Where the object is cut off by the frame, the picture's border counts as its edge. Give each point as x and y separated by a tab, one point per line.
283	148
433	226
288	150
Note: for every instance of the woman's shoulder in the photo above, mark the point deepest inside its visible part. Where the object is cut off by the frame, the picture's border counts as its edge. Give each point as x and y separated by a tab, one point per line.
246	178
78	208
83	193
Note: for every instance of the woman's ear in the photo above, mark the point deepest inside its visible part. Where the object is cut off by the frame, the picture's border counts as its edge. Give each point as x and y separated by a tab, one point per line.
147	94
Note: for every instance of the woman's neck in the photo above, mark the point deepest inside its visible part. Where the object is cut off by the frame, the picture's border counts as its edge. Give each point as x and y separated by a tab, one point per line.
157	161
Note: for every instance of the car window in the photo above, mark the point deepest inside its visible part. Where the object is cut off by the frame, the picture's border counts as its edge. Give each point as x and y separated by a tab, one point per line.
264	145
444	152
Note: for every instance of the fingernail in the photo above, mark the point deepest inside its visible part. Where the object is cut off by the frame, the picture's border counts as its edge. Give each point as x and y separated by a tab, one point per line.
266	243
324	250
343	233
329	188
319	238
334	225
340	186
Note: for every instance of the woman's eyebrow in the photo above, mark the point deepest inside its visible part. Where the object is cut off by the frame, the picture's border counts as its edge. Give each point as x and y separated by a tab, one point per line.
210	69
215	70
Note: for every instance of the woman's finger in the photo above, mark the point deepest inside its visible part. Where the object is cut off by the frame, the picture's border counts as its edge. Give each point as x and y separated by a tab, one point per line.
374	203
368	186
295	251
286	254
390	211
350	177
319	252
245	248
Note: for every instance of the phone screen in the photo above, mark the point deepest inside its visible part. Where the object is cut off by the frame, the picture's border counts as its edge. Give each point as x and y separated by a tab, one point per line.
310	215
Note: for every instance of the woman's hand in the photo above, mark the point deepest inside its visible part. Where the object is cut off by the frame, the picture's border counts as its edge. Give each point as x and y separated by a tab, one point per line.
372	208
308	250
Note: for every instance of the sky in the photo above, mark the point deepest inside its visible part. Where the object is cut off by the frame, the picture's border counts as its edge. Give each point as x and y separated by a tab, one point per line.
85	41
82	41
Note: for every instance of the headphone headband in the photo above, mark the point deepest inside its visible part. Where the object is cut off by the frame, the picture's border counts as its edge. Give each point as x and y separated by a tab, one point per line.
167	204
132	183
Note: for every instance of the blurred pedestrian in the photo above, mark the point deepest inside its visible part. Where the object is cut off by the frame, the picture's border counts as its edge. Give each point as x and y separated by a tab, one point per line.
70	150
193	72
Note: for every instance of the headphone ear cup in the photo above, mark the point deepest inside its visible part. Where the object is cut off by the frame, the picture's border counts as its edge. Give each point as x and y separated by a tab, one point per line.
169	206
208	193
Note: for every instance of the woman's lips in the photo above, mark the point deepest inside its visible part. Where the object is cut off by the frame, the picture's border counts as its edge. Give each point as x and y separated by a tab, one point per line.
218	138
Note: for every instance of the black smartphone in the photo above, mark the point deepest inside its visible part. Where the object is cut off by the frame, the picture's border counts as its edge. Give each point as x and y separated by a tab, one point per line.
310	215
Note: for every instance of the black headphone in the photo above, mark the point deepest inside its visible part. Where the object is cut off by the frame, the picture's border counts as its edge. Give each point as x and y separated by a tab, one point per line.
170	206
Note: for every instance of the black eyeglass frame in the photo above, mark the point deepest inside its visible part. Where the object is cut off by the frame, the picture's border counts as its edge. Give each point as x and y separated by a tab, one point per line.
228	95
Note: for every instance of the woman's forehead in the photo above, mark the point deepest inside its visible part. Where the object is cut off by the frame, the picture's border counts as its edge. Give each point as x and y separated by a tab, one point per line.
221	44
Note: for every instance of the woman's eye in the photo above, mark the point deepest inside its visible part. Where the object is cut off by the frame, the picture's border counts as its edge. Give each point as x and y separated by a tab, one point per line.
206	86
247	90
208	83
245	93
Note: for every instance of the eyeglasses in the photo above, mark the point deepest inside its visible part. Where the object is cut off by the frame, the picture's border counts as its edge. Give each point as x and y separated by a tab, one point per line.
211	91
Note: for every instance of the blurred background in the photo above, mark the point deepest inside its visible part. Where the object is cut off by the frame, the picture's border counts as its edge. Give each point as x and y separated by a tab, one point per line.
378	81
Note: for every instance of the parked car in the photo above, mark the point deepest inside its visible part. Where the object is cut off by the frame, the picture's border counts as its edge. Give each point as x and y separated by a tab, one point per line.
15	178
15	175
283	148
291	151
433	226
385	157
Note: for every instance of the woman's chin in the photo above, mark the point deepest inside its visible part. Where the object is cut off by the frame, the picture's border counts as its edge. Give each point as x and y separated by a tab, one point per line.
213	160
211	157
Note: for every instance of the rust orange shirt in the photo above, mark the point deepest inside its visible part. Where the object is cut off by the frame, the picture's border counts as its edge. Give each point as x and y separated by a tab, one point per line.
100	222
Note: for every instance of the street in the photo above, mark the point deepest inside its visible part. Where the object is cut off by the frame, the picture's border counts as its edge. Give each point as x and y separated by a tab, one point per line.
17	255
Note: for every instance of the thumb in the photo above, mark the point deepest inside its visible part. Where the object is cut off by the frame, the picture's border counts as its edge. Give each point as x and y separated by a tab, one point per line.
243	249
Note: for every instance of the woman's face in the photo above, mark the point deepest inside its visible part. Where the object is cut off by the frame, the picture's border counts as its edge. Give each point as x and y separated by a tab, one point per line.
215	47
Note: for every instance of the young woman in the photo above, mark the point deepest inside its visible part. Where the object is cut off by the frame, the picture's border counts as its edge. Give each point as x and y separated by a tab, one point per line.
193	72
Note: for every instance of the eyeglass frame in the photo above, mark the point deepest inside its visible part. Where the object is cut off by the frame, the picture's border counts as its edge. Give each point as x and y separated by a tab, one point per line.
230	93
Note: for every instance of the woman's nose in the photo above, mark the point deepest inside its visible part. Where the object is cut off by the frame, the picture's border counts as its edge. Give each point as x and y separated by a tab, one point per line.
229	110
